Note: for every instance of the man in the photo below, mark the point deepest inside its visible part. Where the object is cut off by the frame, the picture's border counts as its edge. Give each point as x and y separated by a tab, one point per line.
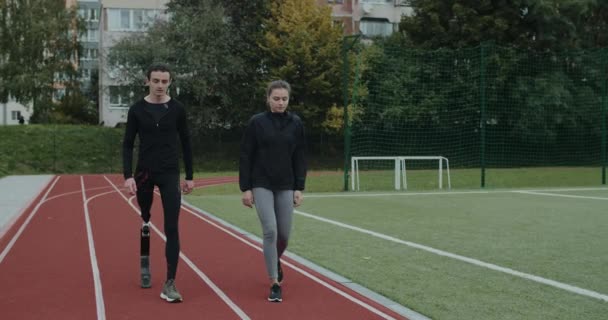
160	122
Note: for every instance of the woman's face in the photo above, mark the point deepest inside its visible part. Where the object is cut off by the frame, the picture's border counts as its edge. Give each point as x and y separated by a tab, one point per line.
278	100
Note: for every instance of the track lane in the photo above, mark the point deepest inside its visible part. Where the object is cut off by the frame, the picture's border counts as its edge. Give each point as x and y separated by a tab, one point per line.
239	263
47	272
237	266
116	227
233	263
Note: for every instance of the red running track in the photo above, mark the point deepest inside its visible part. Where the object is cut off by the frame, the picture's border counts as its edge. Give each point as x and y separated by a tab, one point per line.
74	254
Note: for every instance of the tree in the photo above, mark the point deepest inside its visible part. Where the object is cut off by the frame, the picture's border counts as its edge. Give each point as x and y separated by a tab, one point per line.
591	21
533	88
462	23
38	50
200	42
247	19
74	108
302	46
533	24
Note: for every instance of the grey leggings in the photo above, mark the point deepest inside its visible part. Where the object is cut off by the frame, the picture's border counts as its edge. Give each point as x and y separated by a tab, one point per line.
275	210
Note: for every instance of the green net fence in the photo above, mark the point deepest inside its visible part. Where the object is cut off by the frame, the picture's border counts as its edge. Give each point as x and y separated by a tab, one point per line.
489	110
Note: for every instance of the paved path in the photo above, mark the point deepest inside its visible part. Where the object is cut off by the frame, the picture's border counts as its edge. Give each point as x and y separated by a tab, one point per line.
16	193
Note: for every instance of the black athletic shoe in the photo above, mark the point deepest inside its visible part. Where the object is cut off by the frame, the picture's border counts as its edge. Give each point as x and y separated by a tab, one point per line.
280	272
275	293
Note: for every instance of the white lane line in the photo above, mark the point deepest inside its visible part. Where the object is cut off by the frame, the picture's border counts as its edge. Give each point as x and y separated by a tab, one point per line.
212	184
189	262
100	304
26	222
305	273
444	193
357	195
560	195
553	283
73	192
567	189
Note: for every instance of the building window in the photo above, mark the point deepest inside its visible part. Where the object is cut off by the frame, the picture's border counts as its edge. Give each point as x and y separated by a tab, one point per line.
85	74
125	19
91	35
94	15
15	115
58	94
375	27
59	76
90	14
130	19
119	97
138	19
89	54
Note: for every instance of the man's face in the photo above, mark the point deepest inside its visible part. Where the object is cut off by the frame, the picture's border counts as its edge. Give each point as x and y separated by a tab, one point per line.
278	100
159	83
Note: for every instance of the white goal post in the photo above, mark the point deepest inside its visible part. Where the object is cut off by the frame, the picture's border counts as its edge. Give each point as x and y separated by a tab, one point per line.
400	169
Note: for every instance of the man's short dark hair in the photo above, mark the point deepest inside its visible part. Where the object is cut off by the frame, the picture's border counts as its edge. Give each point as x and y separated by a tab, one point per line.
158	67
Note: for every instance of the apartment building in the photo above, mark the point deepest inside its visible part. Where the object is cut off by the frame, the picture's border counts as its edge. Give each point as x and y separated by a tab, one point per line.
88	62
119	19
368	17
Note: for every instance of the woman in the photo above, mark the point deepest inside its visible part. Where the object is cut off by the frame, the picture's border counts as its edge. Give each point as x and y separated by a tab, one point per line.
272	174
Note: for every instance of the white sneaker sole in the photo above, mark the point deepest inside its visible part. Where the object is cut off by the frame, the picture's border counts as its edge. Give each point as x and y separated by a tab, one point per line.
166	298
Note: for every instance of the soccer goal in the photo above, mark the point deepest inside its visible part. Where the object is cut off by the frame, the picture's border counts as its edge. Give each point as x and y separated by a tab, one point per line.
400	169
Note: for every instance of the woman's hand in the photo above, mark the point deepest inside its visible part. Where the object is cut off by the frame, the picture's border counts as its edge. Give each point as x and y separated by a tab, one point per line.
247	199
297	198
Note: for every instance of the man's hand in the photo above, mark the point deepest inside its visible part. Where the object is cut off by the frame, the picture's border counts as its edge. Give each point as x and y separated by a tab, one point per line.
297	198
131	186
187	186
247	199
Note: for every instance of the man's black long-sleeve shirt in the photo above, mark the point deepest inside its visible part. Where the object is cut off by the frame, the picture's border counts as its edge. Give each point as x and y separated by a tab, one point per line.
273	153
158	139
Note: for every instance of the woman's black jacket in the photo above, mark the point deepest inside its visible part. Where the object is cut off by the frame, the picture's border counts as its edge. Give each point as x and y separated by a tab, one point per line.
273	153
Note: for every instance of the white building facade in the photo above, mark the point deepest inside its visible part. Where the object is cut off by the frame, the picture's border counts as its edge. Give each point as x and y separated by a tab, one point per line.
369	17
10	112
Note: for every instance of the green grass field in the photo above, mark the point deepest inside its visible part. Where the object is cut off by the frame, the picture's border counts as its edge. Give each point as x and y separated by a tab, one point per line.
557	238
